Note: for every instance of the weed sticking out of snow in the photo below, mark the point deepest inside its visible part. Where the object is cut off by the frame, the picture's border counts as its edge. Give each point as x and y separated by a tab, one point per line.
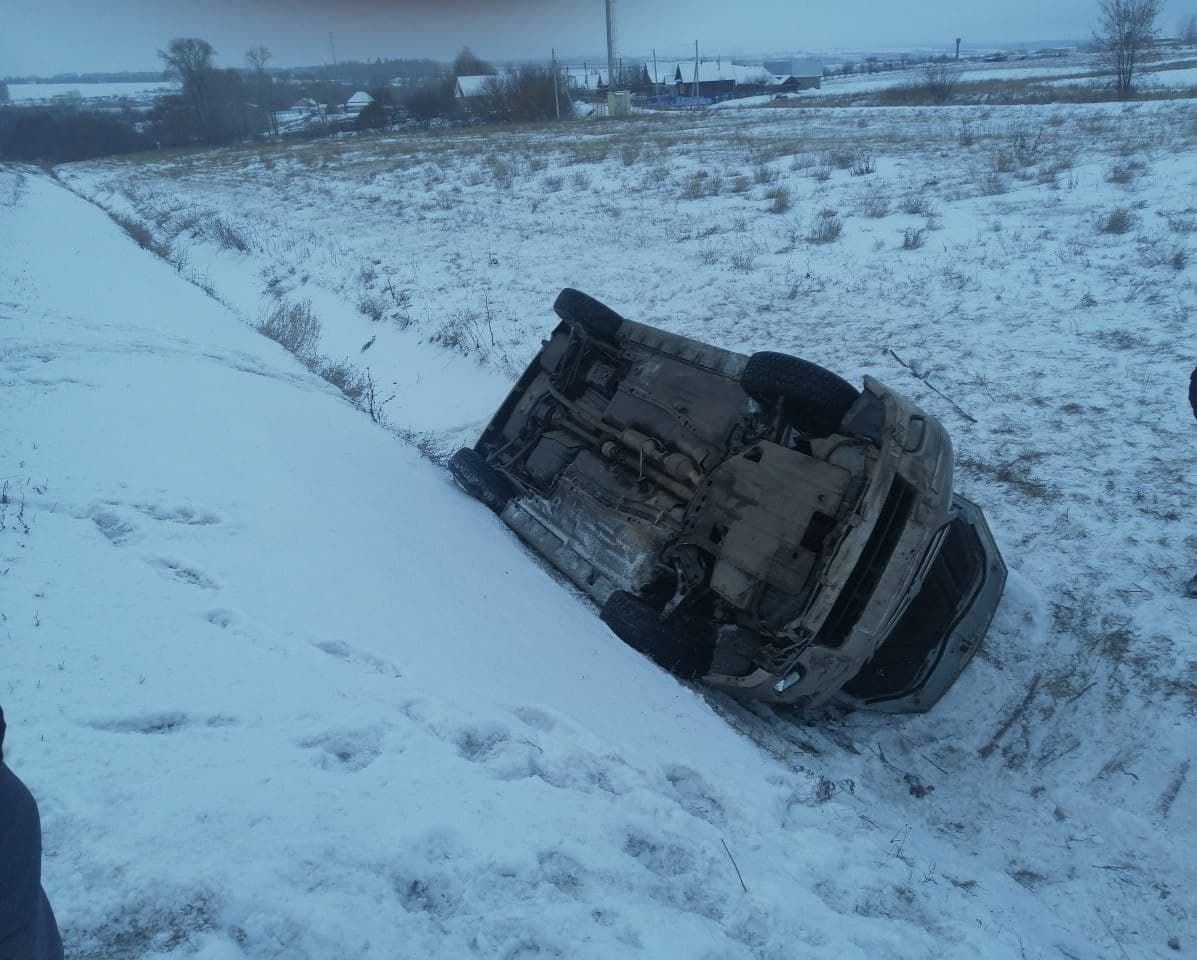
294	327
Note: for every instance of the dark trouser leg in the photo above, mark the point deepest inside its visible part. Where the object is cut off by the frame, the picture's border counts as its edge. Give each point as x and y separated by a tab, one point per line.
27	925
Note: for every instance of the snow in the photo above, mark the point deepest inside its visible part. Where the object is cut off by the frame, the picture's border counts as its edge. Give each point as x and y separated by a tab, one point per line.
1076	69
1148	79
282	690
44	92
1171	78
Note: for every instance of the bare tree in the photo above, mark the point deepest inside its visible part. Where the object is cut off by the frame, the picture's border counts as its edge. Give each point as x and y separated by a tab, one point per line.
263	85
940	80
189	60
1124	29
3	92
213	107
1187	29
257	58
429	100
467	64
522	95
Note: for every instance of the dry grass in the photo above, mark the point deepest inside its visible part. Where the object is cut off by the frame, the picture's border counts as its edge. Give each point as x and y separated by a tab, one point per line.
1117	221
142	235
780	199
826	228
294	327
863	164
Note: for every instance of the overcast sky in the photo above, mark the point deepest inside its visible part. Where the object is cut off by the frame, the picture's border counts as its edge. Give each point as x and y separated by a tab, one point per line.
52	36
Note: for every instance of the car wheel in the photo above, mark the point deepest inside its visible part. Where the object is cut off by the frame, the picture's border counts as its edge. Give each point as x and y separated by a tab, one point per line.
479	479
581	310
636	623
815	399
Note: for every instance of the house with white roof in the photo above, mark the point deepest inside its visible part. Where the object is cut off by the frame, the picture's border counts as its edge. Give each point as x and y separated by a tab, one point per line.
797	73
474	86
715	78
358	102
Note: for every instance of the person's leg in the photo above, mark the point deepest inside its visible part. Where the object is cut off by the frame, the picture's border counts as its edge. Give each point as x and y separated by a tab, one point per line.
27	925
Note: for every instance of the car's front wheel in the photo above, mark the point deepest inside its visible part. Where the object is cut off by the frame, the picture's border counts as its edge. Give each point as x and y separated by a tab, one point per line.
815	400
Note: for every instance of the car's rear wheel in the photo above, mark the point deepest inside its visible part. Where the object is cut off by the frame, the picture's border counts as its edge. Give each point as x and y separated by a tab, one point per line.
480	480
637	624
815	399
582	310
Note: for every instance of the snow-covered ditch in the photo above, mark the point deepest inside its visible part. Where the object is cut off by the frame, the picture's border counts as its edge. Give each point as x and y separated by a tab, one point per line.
282	690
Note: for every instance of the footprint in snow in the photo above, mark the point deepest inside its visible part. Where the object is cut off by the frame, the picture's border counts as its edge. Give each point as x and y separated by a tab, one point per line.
561	871
657	854
221	618
176	570
346	751
160	723
693	794
536	719
111	520
478	744
341	650
116	529
187	515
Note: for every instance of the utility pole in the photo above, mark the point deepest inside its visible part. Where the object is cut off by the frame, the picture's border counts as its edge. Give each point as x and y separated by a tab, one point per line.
556	101
610	44
332	48
616	105
695	69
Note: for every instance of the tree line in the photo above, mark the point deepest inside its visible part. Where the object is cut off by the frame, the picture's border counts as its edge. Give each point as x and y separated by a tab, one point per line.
220	105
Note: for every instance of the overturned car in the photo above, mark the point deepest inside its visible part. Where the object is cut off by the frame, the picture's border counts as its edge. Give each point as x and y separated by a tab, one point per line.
753	521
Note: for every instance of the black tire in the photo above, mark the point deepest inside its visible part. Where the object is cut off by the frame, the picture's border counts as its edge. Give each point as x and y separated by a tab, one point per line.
815	399
480	480
636	623
582	310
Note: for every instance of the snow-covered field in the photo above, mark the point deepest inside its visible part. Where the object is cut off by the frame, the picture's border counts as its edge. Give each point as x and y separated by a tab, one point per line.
283	691
1170	79
969	73
1078	68
24	94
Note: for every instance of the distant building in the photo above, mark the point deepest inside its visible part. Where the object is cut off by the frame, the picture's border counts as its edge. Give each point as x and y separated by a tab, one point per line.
717	79
358	102
584	78
797	73
474	86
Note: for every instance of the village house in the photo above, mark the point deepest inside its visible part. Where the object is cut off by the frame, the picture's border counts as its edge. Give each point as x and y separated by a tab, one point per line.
358	102
473	86
715	79
797	73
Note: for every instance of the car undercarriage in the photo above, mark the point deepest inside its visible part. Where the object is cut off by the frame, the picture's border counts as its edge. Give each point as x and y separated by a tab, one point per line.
755	522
